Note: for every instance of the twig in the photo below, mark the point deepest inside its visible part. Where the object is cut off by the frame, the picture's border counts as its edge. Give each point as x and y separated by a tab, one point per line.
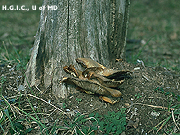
41	114
163	124
80	130
46	102
38	89
161	107
174	120
52	112
146	77
157	125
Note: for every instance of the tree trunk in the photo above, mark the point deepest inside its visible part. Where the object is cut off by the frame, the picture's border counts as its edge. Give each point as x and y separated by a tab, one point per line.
78	28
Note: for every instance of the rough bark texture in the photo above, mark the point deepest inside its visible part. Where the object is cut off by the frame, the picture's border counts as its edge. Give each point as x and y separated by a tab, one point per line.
78	28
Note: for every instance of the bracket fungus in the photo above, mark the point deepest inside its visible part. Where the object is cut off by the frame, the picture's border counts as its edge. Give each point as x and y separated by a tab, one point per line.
96	79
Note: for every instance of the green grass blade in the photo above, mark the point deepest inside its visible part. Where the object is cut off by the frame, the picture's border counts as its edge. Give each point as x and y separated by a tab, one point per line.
37	121
7	114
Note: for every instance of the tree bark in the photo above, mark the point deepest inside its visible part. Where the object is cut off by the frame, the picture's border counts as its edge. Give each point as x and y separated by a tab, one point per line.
78	28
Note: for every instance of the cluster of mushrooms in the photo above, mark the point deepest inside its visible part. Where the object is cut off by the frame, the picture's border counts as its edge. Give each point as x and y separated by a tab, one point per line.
97	79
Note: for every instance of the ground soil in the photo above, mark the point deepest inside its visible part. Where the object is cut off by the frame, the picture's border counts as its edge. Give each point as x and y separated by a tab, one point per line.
141	98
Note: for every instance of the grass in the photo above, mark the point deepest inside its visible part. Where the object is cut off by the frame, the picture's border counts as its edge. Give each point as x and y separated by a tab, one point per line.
157	23
78	100
138	95
13	56
168	93
174	111
164	122
112	123
16	117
